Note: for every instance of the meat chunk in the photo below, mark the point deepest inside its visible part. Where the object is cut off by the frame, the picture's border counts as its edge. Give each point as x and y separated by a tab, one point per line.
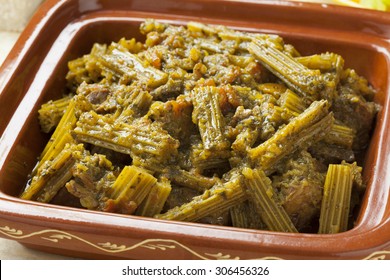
300	185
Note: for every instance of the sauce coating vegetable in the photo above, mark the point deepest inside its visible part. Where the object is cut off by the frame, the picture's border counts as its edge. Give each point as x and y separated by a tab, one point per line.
208	124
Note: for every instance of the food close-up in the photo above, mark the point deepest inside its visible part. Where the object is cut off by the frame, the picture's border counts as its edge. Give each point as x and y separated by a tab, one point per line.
207	124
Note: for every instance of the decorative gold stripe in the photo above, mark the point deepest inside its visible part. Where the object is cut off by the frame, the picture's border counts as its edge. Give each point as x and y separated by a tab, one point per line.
151	244
378	255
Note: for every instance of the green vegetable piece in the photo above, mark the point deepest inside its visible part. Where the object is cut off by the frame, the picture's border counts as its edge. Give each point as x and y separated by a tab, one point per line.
60	137
52	175
208	116
51	113
215	200
189	179
141	139
336	200
126	63
300	133
129	190
262	195
309	83
154	202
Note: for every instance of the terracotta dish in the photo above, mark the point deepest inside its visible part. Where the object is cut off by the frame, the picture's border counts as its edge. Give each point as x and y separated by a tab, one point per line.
34	73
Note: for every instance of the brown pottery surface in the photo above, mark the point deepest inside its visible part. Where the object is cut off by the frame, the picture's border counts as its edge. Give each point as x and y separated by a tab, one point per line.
34	73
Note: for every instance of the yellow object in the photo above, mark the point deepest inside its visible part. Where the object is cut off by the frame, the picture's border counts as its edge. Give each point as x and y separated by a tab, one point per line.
382	5
337	199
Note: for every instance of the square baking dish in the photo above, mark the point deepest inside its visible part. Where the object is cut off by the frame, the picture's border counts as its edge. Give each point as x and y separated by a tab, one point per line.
35	71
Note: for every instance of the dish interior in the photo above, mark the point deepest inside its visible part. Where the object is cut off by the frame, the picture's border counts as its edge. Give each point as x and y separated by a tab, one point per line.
369	60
